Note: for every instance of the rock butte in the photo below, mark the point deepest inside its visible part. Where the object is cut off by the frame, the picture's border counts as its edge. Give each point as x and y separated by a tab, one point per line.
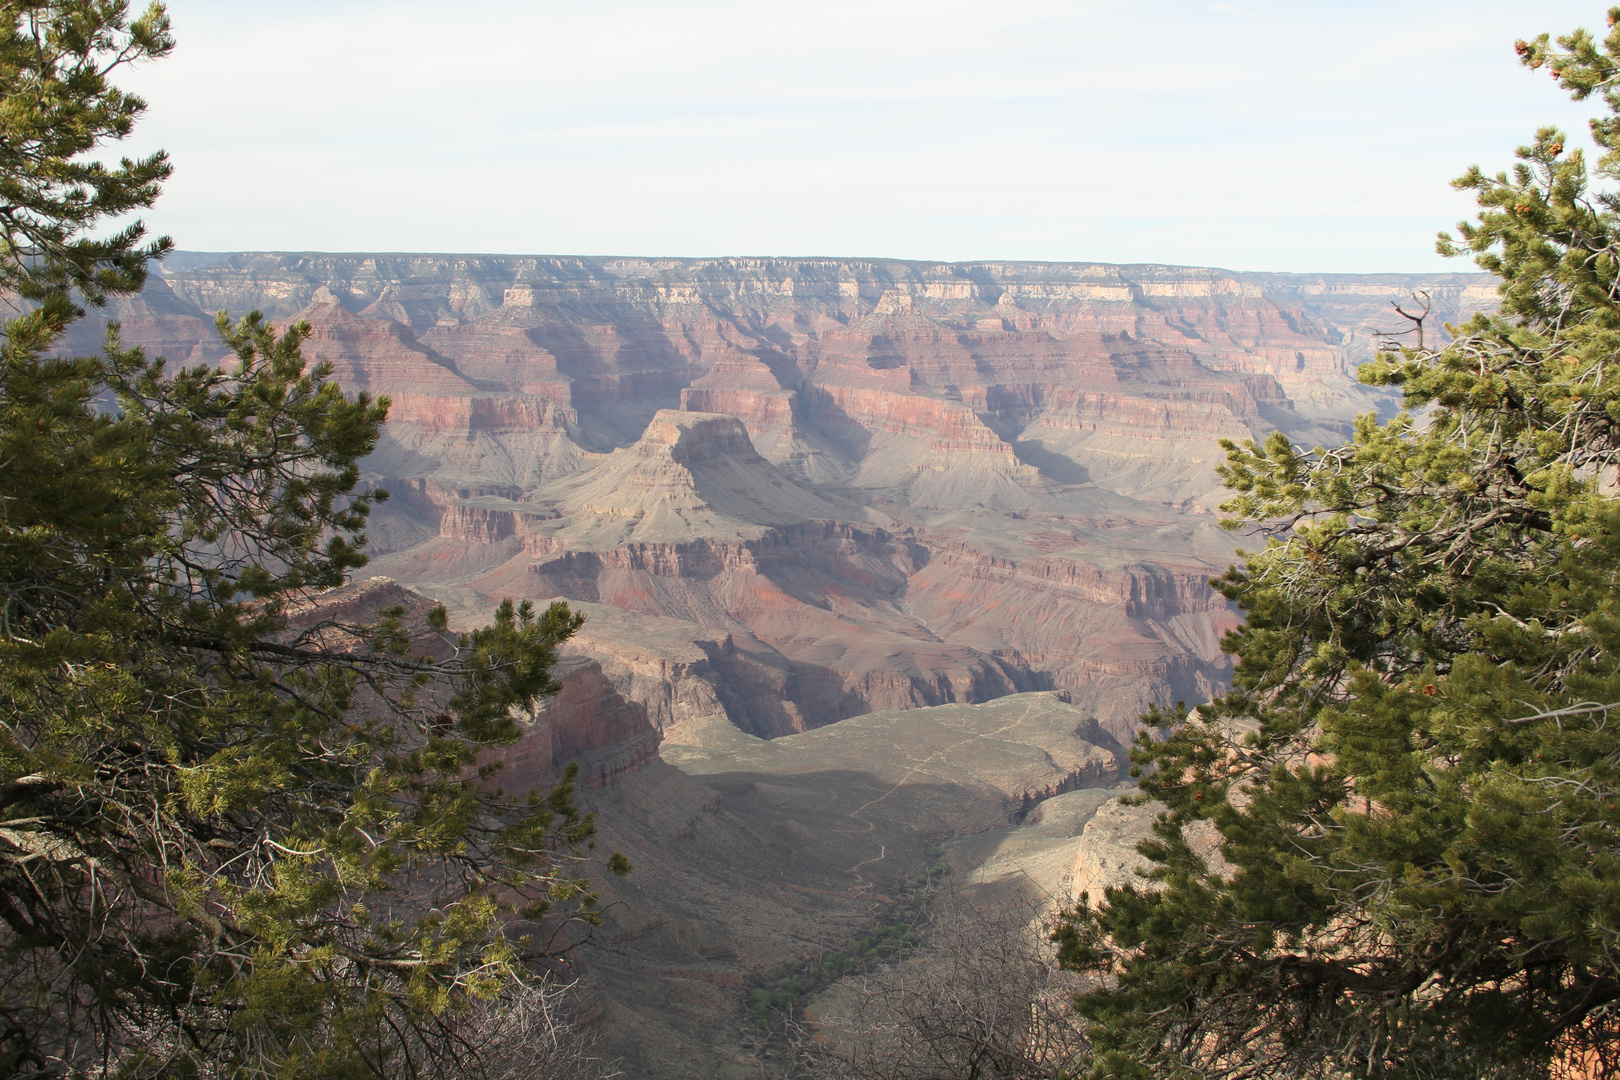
962	512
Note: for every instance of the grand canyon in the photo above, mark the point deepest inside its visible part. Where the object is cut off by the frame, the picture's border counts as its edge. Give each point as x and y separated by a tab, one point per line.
878	559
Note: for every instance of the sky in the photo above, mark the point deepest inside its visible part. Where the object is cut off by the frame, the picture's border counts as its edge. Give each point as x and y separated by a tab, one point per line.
1294	135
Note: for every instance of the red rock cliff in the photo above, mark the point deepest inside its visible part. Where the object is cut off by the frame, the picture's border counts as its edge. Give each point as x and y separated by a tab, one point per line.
587	722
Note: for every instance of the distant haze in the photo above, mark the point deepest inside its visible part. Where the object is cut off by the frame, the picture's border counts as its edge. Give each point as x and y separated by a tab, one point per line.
1253	135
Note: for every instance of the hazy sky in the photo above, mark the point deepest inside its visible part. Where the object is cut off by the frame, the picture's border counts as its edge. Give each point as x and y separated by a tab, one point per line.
1255	134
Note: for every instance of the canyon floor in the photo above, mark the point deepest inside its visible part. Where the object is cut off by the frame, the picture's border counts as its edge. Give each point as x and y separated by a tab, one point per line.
877	557
758	855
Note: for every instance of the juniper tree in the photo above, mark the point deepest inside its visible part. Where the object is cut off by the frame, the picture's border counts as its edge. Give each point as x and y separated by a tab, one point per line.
1415	779
230	844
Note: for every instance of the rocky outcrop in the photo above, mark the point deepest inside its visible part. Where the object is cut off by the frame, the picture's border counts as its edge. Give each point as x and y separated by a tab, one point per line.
1106	854
476	524
586	722
742	385
689	475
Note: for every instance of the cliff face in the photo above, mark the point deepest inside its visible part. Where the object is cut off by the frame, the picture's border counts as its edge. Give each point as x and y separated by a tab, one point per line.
841	485
587	722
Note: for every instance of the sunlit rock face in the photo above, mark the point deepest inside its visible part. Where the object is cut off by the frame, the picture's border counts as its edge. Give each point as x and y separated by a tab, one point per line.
792	491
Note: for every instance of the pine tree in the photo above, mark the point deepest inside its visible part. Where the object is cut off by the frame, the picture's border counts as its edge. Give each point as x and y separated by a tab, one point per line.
57	107
1414	783
230	844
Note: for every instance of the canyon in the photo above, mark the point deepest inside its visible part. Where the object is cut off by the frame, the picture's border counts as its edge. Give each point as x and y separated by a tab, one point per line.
821	487
880	560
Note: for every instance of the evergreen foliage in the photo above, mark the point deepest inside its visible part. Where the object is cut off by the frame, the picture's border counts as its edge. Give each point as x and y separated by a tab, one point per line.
56	107
231	844
1410	800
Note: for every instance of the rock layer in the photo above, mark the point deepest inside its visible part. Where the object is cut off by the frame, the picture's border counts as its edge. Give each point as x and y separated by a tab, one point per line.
586	723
